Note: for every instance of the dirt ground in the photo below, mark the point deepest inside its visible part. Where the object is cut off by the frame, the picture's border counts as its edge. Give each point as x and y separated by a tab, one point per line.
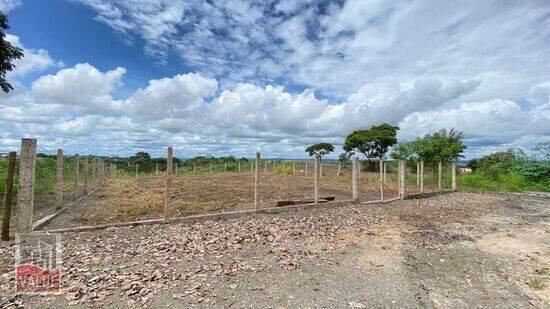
143	197
456	250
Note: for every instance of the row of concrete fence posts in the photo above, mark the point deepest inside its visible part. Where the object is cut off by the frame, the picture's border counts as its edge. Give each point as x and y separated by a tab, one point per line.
25	194
8	195
257	180
317	170
168	189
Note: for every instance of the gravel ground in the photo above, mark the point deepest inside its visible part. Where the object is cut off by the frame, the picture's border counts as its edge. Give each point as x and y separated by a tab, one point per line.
452	251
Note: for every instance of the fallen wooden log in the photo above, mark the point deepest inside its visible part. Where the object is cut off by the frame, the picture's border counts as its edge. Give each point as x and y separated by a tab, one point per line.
322	199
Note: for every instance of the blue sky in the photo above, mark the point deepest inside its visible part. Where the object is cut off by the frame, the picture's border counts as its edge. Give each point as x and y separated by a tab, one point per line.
235	77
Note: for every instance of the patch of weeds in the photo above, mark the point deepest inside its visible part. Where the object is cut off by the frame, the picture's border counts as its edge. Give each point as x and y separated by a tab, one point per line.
512	235
138	209
544	271
536	284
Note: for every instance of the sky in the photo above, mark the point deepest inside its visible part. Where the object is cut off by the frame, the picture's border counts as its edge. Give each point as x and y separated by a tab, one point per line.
218	78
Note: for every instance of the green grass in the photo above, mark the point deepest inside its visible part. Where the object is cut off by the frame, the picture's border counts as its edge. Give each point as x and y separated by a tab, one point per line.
479	182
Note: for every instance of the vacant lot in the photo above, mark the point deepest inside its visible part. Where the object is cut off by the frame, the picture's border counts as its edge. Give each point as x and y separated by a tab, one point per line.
456	250
126	199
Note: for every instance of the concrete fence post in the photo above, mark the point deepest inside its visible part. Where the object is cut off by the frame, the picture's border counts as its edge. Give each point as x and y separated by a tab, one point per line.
317	169
59	179
354	179
76	180
402	166
338	172
225	166
418	174
239	166
210	167
25	194
194	168
439	167
86	174
176	169
306	168
294	168
453	177
8	195
265	167
257	181
92	180
381	178
422	176
168	188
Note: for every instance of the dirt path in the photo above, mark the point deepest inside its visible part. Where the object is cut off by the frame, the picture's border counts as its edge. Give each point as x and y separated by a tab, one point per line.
452	251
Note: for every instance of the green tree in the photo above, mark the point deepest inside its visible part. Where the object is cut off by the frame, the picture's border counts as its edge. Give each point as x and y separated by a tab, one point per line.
320	149
441	146
8	53
374	142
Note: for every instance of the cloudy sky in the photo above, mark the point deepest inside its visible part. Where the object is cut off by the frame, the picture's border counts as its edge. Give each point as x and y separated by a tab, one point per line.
234	77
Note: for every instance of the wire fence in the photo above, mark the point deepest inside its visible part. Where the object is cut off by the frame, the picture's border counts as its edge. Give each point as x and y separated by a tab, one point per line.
51	188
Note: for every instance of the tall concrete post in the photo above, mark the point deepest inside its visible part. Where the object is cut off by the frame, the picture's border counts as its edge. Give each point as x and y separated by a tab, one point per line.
210	167
439	167
168	189
59	179
225	166
338	172
422	176
381	179
317	165
76	170
239	166
25	194
306	168
453	177
257	181
354	179
294	168
418	174
402	166
176	169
